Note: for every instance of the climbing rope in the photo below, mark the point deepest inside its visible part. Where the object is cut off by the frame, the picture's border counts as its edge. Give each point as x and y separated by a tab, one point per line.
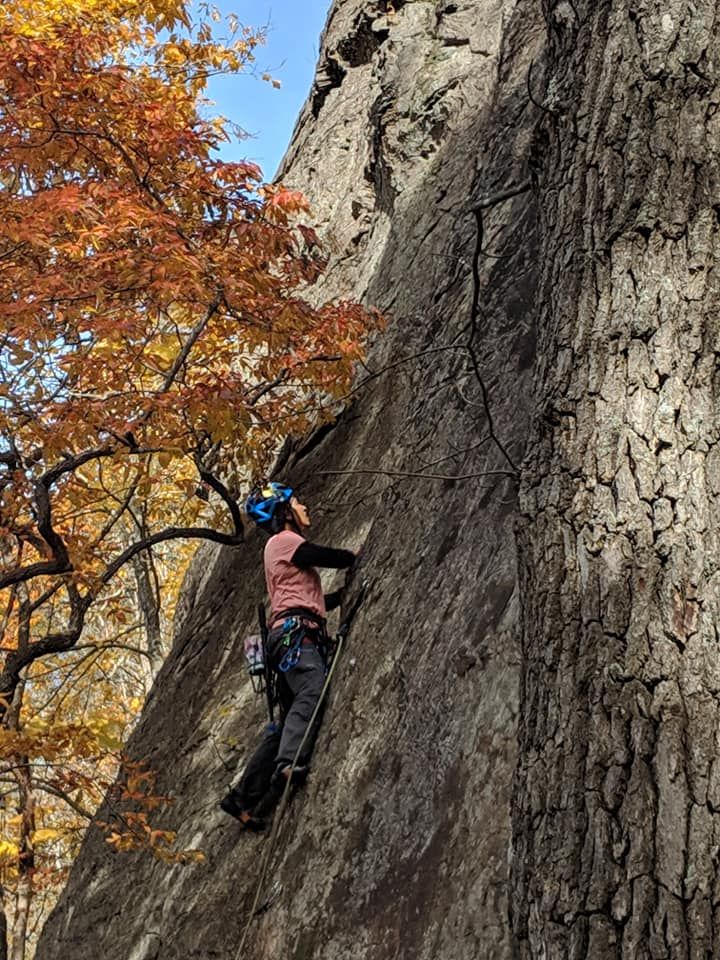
272	839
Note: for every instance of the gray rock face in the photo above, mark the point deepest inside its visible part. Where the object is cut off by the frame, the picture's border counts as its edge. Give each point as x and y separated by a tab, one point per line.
398	846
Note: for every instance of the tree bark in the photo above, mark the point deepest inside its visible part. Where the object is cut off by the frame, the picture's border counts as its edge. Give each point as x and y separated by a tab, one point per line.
3	925
26	808
149	608
26	863
616	826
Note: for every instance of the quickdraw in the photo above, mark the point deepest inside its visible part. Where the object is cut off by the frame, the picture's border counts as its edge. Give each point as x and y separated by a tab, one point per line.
287	639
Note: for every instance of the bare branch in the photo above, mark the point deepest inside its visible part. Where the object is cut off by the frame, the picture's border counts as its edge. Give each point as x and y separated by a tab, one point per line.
190	343
72	463
58	642
43	568
459	453
57	792
8	611
398	363
486	404
53	539
219	487
171	533
113	646
60	562
531	96
47	595
113	519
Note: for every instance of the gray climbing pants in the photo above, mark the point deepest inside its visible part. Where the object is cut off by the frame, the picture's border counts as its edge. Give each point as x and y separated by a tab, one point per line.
299	691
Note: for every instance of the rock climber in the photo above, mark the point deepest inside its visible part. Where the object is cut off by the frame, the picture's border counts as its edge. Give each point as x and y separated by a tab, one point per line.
297	648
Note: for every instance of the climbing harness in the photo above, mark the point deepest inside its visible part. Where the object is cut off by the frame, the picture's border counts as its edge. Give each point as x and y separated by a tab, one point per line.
258	907
285	643
278	649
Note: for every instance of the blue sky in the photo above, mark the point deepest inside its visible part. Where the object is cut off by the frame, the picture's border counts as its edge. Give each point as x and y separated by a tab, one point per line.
290	55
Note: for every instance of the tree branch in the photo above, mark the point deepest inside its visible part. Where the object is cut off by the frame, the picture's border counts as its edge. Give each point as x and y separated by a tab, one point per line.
124	505
190	343
531	96
43	568
113	646
71	463
171	533
44	597
373	375
267	387
27	653
219	487
57	792
53	539
60	562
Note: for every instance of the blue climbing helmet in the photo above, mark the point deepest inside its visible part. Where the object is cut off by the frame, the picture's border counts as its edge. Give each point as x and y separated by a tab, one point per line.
263	503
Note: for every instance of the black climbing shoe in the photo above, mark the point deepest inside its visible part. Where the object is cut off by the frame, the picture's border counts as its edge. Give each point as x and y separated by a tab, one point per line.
264	808
246	819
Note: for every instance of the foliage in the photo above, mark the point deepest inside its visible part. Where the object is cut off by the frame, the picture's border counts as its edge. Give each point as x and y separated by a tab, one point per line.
157	332
77	712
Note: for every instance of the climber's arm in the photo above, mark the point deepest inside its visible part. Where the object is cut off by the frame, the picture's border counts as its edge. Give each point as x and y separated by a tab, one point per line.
334	599
312	555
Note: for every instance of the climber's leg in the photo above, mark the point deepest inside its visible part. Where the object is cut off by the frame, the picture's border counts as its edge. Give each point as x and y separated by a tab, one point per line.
305	681
255	780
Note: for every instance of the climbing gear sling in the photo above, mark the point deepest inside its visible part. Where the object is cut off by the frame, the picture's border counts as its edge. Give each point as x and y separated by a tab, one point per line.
340	637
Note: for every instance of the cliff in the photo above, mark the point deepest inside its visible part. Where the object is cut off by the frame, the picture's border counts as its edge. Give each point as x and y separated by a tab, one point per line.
399	845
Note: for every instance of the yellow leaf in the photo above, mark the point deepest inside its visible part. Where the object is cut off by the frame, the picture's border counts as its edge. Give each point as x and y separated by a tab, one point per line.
8	851
165	348
45	835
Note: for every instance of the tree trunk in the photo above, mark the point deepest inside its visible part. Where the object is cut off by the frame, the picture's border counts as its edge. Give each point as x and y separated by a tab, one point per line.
26	863
149	606
3	926
24	890
616	825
